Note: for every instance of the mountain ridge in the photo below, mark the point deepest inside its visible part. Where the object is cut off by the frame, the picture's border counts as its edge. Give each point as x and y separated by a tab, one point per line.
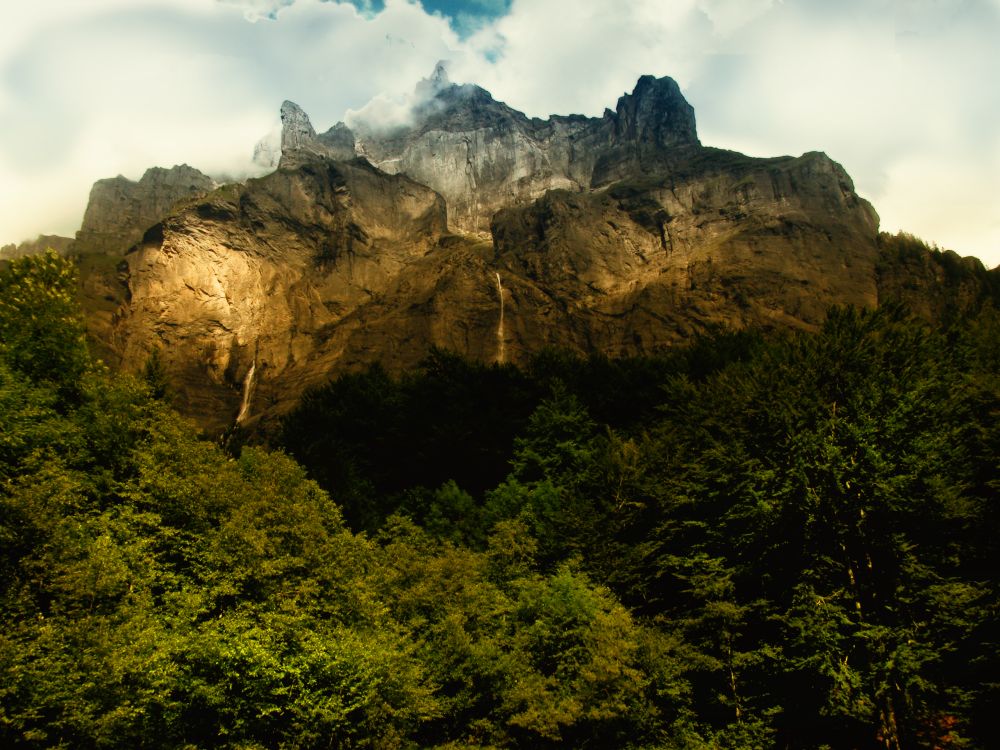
482	155
477	229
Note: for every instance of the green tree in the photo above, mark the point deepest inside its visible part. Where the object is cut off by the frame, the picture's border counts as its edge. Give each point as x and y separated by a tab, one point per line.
41	328
820	477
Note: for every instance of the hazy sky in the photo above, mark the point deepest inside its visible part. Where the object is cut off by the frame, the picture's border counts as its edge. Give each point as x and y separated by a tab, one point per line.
904	94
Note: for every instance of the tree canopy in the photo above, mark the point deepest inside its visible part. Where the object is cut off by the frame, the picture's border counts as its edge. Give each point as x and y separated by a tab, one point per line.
784	541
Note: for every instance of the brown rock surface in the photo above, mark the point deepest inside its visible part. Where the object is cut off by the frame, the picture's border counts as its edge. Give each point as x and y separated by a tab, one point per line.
727	242
334	265
619	235
267	277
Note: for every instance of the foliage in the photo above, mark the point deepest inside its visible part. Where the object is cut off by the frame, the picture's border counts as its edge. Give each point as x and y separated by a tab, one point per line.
41	328
748	543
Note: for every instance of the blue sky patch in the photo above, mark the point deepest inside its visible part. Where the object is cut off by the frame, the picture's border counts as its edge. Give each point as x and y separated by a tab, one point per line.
465	16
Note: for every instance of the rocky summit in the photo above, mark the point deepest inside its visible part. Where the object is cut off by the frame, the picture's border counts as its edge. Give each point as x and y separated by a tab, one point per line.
120	209
473	228
483	156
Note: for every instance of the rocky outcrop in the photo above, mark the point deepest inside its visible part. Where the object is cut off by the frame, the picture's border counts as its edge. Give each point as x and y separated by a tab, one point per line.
732	242
120	210
300	144
481	155
38	245
267	277
932	283
479	230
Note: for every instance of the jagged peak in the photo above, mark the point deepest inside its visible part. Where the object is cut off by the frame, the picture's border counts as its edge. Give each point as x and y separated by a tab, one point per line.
296	129
440	75
438	86
178	170
159	174
656	111
295	120
288	107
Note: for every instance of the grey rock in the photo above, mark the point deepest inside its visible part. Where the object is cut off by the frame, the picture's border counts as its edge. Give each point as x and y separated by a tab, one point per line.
481	155
300	144
121	210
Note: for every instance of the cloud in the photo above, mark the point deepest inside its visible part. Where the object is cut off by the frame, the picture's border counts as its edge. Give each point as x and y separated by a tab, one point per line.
386	113
464	16
601	49
128	85
886	88
898	92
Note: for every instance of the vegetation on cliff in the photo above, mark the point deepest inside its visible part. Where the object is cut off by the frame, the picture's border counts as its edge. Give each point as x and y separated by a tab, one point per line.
750	542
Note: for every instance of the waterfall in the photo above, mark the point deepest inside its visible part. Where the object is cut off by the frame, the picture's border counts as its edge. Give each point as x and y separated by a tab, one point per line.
501	343
248	384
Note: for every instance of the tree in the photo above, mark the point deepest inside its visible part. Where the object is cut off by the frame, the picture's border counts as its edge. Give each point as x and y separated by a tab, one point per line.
41	327
820	479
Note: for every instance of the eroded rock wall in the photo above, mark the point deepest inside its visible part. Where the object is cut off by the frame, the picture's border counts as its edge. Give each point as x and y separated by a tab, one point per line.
482	231
120	210
481	155
258	275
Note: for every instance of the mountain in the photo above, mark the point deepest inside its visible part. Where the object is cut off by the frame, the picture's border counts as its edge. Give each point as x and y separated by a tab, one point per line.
482	156
119	209
473	228
38	245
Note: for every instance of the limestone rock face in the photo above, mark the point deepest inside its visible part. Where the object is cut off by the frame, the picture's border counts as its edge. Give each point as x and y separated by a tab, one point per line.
38	245
300	144
265	277
479	230
481	155
120	210
729	242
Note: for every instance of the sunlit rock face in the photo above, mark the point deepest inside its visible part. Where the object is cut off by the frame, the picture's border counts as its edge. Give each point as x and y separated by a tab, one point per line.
474	228
726	242
270	275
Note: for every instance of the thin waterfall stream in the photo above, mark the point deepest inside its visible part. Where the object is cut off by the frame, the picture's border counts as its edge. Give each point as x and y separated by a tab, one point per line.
248	383
501	343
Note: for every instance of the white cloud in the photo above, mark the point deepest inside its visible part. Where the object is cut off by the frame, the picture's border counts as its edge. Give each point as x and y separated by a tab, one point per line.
122	86
580	57
899	92
886	88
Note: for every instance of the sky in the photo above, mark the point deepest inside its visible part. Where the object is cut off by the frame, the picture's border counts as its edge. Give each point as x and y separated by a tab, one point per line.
903	93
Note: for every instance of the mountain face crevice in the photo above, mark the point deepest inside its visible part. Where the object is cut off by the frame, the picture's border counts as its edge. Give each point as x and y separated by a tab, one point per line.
472	228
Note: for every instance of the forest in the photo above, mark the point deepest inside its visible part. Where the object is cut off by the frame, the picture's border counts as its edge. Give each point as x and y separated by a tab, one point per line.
757	540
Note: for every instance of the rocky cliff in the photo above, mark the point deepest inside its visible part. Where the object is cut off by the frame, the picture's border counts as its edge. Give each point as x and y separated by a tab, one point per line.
254	290
726	241
120	210
482	156
480	230
40	244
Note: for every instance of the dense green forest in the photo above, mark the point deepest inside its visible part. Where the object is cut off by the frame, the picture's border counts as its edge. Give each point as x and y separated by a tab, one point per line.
783	541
